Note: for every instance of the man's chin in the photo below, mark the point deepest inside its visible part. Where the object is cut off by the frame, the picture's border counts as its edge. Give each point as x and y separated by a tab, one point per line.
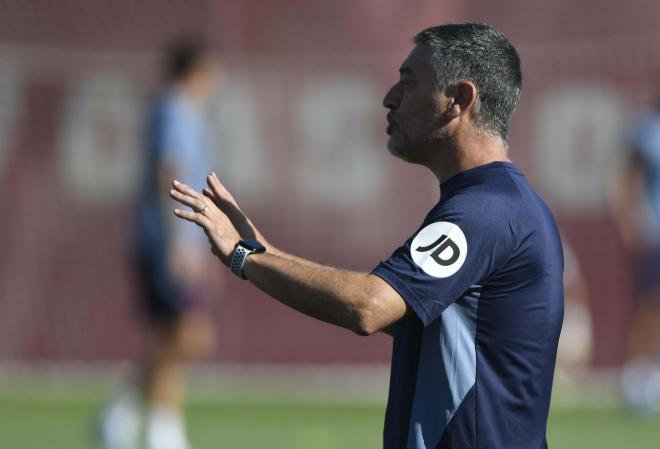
399	151
393	146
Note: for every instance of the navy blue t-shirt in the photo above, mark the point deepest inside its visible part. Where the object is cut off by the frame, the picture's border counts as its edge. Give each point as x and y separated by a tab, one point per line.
472	367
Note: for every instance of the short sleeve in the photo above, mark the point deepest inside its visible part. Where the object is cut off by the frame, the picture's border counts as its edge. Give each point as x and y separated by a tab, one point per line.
456	249
180	151
178	138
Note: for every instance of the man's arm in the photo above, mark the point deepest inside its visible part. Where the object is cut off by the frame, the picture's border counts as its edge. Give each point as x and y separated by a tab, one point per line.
356	301
359	302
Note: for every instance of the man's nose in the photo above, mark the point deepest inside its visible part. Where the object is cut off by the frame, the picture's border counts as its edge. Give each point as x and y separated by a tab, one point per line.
391	98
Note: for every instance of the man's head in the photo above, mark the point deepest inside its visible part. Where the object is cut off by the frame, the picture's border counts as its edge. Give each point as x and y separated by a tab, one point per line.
459	78
189	63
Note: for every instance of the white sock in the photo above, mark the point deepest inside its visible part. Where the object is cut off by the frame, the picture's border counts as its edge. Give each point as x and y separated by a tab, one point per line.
120	422
641	385
165	429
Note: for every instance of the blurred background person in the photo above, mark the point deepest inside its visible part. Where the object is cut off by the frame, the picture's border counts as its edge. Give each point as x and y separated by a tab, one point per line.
637	214
576	341
171	259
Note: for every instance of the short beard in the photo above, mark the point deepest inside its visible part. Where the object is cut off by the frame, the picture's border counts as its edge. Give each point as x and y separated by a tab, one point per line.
417	152
399	146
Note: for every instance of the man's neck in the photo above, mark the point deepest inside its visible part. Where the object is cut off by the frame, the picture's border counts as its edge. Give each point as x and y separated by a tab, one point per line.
467	153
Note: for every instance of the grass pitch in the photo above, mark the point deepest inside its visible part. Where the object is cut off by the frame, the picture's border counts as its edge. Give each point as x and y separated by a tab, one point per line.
28	421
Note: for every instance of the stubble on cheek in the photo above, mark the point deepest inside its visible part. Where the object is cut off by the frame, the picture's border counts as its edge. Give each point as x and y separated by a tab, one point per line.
420	128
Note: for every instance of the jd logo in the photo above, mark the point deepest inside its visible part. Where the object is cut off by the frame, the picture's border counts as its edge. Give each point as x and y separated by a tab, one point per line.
442	243
439	249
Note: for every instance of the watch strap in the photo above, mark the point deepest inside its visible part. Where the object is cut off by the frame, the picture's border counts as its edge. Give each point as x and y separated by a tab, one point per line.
238	260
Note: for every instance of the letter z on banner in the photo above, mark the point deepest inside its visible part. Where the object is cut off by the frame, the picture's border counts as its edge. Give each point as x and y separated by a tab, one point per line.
439	249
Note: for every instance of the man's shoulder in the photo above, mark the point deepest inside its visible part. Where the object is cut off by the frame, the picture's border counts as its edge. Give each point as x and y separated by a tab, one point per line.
490	201
502	205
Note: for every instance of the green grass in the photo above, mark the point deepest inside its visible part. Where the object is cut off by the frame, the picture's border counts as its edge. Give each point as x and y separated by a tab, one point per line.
31	422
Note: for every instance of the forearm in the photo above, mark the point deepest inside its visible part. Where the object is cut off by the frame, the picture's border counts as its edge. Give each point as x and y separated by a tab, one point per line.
360	302
335	296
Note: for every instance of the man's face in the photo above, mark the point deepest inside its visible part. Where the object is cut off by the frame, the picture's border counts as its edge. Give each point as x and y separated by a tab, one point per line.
416	119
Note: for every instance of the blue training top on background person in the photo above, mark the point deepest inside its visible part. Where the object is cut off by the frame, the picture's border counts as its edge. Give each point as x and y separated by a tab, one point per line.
177	138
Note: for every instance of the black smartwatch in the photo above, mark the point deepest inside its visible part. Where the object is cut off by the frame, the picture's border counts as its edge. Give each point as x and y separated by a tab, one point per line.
242	250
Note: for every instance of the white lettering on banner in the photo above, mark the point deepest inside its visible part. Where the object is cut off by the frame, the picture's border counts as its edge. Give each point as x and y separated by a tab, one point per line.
101	145
339	163
578	140
10	100
236	142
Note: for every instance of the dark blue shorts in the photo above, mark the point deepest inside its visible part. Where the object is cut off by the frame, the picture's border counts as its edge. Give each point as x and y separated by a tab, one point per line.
163	298
647	271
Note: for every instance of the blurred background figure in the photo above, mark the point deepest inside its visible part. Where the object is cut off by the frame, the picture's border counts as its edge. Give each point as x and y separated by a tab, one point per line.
637	213
576	341
174	295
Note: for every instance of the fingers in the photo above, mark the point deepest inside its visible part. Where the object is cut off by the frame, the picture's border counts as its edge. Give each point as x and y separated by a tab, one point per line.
188	196
194	217
209	194
185	189
218	189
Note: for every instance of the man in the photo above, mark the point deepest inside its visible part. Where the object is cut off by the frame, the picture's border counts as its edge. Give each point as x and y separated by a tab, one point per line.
474	298
637	214
171	260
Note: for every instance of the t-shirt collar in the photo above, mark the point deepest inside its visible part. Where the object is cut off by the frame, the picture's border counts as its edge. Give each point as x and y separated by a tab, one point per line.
473	174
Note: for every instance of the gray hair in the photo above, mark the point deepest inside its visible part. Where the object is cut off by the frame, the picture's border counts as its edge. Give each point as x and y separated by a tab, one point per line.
484	56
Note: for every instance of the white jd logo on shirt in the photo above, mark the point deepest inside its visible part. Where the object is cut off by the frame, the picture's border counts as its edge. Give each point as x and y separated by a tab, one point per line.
439	249
442	243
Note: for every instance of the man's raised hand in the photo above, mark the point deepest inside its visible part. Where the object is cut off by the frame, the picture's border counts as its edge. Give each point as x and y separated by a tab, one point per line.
227	204
219	229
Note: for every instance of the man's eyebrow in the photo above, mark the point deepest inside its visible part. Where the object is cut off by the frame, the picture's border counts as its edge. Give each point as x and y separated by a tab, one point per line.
405	70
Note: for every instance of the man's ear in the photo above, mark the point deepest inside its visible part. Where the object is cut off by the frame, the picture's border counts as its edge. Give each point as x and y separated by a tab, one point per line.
462	97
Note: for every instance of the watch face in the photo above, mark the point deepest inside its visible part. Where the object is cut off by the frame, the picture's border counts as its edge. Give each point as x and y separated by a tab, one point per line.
252	245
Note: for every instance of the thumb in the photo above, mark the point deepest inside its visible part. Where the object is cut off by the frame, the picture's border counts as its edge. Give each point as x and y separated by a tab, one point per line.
218	189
